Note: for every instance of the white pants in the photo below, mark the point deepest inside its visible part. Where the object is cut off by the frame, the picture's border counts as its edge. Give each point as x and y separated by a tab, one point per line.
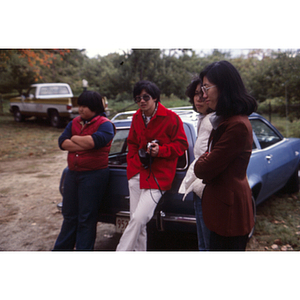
142	205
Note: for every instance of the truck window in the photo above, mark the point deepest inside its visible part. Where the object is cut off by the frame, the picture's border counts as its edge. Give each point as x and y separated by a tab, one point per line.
44	91
63	90
54	90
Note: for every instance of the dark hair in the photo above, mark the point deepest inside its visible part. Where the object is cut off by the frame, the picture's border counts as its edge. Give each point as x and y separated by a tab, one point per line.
233	97
92	100
190	92
150	87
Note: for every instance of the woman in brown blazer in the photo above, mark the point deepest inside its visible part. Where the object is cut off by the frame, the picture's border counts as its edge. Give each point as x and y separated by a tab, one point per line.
226	203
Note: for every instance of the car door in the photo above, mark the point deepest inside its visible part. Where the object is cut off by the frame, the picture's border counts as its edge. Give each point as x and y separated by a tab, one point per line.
273	159
117	198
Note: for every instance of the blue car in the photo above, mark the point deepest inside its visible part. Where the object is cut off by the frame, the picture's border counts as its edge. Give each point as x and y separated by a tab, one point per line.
273	166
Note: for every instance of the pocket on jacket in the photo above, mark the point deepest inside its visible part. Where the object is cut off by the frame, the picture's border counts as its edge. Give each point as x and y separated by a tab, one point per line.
227	197
222	194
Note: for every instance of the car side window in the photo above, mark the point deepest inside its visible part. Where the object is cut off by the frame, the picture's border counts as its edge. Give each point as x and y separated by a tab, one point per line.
265	134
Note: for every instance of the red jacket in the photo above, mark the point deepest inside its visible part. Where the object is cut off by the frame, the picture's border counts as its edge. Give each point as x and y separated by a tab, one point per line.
226	202
88	160
167	127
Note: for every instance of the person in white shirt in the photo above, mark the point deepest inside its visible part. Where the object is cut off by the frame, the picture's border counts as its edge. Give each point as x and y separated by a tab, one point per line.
191	183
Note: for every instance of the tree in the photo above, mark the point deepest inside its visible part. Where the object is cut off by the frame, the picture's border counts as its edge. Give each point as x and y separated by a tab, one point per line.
15	72
22	67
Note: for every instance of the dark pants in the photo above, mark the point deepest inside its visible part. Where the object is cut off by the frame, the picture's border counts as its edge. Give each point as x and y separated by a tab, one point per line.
231	243
83	192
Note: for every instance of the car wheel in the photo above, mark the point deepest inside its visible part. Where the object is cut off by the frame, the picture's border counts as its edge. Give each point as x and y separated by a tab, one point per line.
292	186
18	116
55	119
254	215
59	206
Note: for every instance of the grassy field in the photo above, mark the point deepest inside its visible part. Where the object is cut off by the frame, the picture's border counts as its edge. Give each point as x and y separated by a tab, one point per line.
278	219
278	222
27	139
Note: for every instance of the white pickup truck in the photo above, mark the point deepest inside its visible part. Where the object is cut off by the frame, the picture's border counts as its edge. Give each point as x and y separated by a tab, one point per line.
54	101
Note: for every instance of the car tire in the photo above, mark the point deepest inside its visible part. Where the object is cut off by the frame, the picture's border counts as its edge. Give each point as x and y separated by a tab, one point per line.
292	185
55	120
18	116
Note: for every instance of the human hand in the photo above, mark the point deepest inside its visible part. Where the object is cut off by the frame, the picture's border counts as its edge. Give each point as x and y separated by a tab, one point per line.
153	149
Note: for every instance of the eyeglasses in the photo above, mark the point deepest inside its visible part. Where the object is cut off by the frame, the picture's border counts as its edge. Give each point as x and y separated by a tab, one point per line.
145	97
200	96
205	89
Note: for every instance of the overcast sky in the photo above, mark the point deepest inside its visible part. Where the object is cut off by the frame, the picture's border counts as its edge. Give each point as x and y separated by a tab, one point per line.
92	52
114	26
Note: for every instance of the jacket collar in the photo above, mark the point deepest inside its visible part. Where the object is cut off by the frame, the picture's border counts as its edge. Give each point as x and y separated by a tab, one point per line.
161	111
92	120
215	120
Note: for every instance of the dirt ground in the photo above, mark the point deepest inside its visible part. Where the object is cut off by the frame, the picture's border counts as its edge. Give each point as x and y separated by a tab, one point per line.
29	217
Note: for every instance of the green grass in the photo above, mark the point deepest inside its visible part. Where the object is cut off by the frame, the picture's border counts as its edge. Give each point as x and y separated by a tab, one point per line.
26	139
32	138
278	221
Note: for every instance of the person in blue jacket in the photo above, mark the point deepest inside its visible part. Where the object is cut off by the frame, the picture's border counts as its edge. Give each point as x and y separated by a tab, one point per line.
87	138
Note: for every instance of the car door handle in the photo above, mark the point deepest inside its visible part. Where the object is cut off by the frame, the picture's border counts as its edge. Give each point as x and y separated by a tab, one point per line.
269	158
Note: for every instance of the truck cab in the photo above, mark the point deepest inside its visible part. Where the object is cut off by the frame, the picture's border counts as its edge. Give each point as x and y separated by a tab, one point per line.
54	101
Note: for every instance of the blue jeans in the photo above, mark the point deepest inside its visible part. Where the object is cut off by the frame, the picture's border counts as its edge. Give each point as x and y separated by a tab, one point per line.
203	232
83	192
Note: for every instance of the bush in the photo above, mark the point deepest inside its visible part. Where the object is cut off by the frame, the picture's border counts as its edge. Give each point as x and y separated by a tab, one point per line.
278	106
123	96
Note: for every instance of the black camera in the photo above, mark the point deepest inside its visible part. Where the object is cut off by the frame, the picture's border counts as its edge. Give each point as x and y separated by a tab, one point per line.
145	158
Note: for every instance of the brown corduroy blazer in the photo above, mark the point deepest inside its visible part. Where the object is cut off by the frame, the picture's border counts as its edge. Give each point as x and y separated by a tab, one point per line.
226	202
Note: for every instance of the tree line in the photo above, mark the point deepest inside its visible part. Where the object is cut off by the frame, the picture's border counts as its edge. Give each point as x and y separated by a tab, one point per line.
271	76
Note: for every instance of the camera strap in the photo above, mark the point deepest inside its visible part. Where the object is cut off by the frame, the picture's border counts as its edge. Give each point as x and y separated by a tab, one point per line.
150	172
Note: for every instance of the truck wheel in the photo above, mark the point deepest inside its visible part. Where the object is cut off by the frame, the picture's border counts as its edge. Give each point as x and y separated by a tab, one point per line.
55	119
18	116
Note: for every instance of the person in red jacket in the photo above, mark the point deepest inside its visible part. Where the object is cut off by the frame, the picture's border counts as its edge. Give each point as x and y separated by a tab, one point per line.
88	139
227	200
156	139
